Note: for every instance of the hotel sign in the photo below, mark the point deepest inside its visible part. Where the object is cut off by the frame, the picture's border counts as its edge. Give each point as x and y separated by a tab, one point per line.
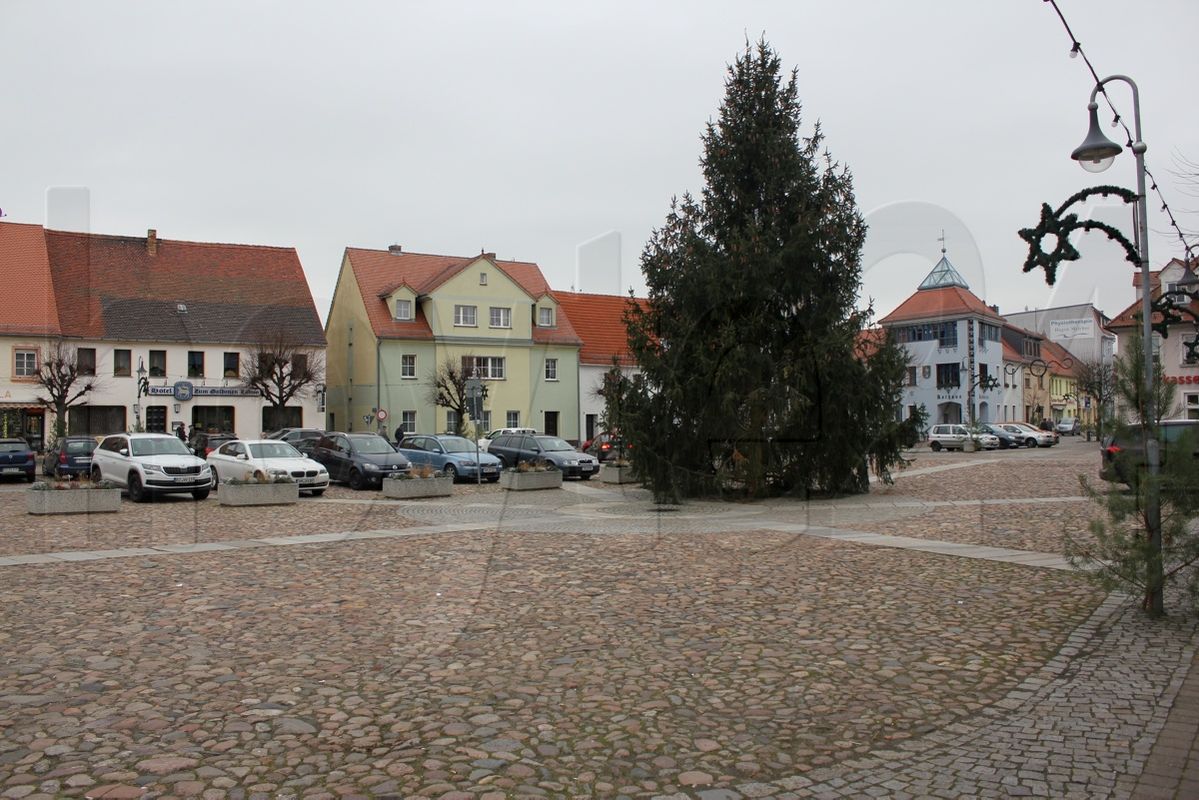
185	390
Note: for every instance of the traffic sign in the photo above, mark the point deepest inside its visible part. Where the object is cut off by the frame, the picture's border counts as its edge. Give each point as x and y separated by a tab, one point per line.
382	415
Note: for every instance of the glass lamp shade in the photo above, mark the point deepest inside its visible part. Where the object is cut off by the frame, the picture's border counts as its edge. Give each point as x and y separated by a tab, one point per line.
1097	152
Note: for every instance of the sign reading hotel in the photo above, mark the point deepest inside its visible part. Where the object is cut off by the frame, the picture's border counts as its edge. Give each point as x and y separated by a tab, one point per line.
184	391
1071	328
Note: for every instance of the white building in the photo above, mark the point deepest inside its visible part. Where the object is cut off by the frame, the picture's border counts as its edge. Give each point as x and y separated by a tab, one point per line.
186	315
1081	329
955	352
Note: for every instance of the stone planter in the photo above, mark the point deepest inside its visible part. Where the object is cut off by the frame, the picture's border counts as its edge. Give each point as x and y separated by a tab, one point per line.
258	494
613	474
527	481
413	488
969	446
72	501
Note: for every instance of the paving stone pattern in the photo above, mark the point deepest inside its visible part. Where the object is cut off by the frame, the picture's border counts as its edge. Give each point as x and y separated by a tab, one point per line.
577	643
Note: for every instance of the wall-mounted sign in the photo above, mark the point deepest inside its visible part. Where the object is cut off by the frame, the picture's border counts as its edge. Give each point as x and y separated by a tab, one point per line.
1071	328
201	391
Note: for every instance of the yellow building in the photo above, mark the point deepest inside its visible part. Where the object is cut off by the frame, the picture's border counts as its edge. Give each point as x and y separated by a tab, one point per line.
397	317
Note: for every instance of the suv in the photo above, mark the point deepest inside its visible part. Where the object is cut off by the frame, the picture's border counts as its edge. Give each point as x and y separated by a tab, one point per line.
146	464
513	448
1124	452
359	459
953	437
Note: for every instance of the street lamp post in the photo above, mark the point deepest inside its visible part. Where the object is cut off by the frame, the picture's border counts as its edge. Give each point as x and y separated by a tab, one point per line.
143	388
1096	154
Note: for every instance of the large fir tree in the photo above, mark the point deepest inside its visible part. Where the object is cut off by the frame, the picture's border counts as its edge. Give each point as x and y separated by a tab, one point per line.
755	374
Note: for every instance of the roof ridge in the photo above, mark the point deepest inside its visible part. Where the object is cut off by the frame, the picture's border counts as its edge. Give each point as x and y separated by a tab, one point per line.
466	259
140	239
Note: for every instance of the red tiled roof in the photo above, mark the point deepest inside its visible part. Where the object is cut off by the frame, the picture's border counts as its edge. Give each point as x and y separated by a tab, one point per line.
379	272
599	321
869	340
111	287
27	303
1010	353
946	301
1052	352
1130	318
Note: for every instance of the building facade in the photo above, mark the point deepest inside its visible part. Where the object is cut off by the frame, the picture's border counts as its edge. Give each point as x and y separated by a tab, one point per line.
188	317
1080	329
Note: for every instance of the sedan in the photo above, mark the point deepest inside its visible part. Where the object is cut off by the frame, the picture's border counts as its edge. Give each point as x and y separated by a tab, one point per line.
17	460
1006	438
1069	427
515	448
359	459
70	458
1033	437
453	455
244	460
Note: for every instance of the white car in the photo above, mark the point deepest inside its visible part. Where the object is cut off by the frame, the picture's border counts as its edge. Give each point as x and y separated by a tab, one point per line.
245	459
1033	437
954	437
146	464
485	442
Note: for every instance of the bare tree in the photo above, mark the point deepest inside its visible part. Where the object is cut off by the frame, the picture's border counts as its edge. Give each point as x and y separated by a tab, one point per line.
65	383
448	390
1096	378
279	369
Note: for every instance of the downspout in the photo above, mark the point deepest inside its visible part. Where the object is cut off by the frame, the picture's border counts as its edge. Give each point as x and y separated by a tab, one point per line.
378	381
349	419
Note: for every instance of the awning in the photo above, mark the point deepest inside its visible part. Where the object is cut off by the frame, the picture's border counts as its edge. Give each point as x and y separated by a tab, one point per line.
22	407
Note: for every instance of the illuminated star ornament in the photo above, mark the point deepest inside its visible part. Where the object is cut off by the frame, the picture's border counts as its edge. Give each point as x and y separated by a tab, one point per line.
1061	225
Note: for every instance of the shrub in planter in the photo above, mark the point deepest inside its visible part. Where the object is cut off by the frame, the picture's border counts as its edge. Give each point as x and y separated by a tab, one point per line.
260	490
618	470
421	481
72	497
530	475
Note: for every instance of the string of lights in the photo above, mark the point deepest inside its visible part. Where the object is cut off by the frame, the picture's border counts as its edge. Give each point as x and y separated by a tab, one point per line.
1075	51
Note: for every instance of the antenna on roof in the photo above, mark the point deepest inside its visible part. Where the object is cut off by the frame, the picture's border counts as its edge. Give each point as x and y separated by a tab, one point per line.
941	239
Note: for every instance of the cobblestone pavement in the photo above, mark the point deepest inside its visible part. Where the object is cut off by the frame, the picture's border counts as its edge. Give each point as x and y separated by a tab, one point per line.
579	644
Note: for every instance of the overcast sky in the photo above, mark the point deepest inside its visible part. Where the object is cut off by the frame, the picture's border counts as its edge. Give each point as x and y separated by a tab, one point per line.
529	128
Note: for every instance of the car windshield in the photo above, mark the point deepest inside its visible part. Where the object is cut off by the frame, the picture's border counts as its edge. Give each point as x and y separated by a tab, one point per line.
371	445
13	447
166	446
553	443
274	450
457	444
78	447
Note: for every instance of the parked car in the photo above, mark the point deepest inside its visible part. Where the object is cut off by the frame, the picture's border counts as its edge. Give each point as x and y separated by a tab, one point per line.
513	448
604	446
293	435
270	457
1124	450
17	459
70	458
147	464
203	443
1069	427
1006	438
359	459
1033	437
954	437
306	445
453	455
485	442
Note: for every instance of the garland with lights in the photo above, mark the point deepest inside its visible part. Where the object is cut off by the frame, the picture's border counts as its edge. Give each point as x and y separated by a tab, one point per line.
1060	224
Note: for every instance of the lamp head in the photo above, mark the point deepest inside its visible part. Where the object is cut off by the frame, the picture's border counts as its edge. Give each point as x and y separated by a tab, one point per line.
1097	152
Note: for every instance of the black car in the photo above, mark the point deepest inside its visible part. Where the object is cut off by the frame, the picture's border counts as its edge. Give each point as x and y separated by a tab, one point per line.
359	459
293	435
1124	450
511	449
17	460
1006	438
204	443
71	457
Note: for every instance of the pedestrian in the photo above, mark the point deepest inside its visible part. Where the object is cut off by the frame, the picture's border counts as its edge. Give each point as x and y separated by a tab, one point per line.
181	432
399	436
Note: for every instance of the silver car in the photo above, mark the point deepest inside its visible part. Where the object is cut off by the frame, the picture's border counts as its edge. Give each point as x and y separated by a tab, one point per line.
954	437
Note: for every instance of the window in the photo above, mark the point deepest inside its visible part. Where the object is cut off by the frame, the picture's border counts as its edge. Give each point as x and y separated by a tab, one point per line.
486	367
1040	381
158	363
25	364
195	363
156	419
512	419
1027	382
85	360
1192	406
451	420
408	366
486	421
482	278
545	317
403	309
122	363
947	334
501	317
911	376
299	366
232	365
1032	348
984	377
988	332
465	316
949	376
551	369
408	421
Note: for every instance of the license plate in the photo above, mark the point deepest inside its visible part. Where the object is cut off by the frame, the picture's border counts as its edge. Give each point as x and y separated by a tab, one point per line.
12	470
488	469
185	478
586	467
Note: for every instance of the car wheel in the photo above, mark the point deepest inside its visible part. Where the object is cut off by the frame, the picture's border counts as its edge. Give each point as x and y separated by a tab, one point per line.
137	492
216	481
356	483
317	492
451	473
201	494
1030	442
936	447
97	476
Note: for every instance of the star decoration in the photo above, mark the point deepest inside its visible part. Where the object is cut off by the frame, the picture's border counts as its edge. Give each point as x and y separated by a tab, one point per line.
1050	225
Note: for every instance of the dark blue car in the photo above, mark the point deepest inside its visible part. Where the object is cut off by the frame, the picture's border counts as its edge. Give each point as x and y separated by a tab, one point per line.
71	458
17	460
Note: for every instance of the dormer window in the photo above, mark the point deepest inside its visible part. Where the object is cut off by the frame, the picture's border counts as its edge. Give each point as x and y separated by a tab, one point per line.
545	317
404	309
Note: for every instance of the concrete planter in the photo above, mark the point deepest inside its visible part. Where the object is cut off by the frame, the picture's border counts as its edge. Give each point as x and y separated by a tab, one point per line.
72	501
413	488
528	481
969	446
258	494
614	474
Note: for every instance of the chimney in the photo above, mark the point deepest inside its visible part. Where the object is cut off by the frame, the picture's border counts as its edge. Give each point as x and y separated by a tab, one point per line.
995	308
152	242
395	249
488	256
